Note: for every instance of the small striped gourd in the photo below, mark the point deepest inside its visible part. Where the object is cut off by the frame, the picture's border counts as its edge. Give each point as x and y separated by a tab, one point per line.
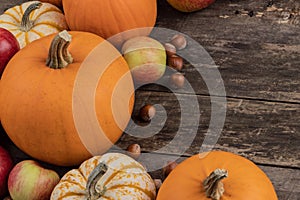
33	20
110	176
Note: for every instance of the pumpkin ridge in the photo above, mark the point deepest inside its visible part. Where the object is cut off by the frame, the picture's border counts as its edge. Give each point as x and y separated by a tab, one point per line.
131	12
68	194
37	32
77	184
74	183
50	24
82	174
130	166
20	11
13	29
116	18
146	192
116	172
5	22
18	34
12	16
17	11
26	38
52	9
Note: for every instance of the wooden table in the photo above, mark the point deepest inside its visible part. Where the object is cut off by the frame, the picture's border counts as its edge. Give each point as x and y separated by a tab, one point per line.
255	45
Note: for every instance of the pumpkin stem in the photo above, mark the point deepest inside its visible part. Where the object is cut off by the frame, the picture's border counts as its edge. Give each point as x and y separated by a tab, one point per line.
94	177
212	184
59	56
26	23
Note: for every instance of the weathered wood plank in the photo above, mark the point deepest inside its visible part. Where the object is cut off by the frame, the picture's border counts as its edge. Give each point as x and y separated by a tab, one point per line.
258	57
5	4
266	132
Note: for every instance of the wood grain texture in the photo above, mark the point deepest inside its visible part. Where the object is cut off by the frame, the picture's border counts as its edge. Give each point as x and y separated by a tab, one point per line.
257	56
265	132
8	4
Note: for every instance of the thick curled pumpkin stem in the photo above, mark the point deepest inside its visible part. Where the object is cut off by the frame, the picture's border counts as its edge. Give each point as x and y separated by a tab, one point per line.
94	177
26	23
213	186
59	56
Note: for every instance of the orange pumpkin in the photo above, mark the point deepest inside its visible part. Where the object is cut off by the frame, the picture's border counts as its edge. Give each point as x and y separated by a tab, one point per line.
219	176
57	3
63	111
109	17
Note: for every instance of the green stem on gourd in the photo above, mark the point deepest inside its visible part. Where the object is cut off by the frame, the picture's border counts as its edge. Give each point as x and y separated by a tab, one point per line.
59	56
93	178
213	186
26	23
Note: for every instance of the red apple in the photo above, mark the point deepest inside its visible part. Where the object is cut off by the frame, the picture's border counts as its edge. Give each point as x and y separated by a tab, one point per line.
189	5
146	58
6	165
28	180
9	46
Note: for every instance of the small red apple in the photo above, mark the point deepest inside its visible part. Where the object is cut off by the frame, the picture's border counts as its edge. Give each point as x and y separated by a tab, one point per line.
6	165
190	5
28	180
9	46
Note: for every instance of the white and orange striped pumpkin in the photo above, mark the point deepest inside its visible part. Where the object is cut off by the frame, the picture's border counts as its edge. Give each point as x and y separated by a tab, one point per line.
33	20
110	176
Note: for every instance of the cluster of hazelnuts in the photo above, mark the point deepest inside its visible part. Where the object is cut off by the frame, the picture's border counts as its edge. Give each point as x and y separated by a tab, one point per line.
177	42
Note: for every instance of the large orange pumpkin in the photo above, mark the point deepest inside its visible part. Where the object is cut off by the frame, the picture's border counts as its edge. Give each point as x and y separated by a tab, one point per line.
109	17
44	106
217	175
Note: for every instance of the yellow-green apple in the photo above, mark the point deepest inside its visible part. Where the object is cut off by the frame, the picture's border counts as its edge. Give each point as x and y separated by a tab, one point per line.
9	46
6	165
189	5
146	58
28	180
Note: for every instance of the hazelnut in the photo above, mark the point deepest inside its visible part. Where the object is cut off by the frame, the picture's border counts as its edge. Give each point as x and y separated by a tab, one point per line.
176	62
167	169
147	112
158	183
134	151
177	80
170	49
179	41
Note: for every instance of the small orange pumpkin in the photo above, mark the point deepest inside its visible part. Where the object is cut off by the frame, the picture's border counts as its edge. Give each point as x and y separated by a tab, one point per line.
109	17
44	105
217	175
